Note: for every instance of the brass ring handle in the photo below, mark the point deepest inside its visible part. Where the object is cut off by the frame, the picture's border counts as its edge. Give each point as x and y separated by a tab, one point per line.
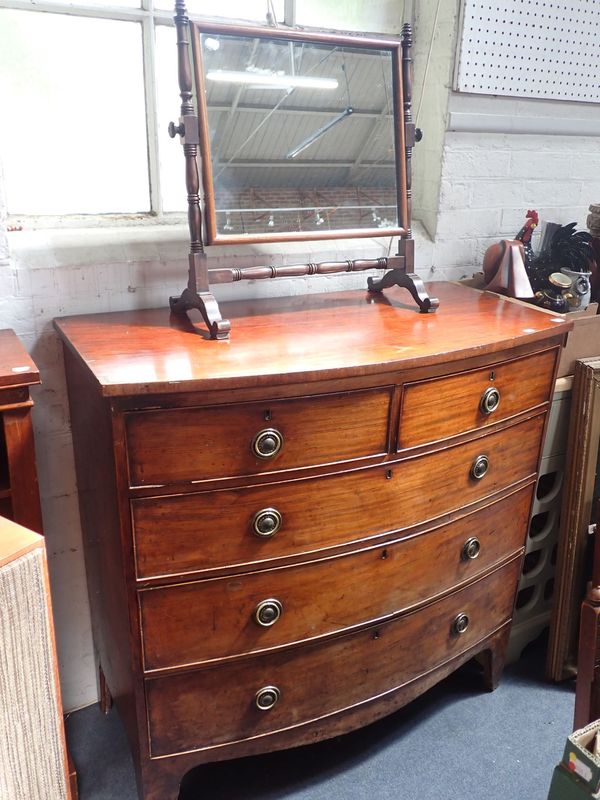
267	697
267	612
460	624
267	443
490	400
266	522
479	467
471	548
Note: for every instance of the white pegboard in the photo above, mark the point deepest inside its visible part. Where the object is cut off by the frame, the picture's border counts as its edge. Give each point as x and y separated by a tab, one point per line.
530	48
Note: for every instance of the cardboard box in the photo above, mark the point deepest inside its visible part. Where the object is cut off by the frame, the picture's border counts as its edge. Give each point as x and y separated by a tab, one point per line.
582	342
577	777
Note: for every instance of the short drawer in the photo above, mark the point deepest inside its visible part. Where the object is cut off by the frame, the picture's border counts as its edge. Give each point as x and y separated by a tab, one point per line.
205	620
317	680
186	444
442	407
209	530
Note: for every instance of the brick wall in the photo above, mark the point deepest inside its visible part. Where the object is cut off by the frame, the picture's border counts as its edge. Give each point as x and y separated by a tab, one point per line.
489	180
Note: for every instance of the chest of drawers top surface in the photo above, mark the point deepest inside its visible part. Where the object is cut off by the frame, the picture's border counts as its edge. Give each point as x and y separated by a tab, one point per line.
333	335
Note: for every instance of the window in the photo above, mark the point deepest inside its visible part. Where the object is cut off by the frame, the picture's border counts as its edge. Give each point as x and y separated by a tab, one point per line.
87	92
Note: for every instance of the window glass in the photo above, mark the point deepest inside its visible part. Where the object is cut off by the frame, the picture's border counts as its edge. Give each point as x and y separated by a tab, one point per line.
172	162
72	127
109	3
377	16
255	10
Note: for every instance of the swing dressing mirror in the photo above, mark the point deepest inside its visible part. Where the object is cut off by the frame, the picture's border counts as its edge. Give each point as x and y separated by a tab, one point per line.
368	173
301	134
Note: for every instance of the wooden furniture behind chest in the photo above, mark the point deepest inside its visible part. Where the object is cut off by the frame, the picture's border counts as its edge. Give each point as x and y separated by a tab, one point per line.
297	531
19	495
19	491
33	754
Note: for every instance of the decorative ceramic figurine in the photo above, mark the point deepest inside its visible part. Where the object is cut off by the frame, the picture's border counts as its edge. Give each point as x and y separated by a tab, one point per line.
558	296
525	234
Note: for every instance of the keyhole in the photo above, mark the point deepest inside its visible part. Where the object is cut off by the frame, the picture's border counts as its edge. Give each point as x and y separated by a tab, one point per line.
384	555
492	375
376	634
388	475
268	415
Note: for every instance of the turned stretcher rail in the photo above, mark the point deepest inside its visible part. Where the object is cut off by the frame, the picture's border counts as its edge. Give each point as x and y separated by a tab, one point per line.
231	274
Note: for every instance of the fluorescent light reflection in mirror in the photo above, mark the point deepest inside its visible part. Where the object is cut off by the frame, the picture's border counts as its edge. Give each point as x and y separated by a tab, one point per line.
266	78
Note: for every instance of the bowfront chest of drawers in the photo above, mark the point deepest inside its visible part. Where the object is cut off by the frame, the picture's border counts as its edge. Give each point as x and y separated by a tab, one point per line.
295	532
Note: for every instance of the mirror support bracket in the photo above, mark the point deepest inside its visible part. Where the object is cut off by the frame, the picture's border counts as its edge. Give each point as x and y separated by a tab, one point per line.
402	274
197	294
399	276
203	300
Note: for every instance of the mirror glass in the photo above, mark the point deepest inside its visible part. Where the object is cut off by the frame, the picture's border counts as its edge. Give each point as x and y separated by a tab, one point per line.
301	137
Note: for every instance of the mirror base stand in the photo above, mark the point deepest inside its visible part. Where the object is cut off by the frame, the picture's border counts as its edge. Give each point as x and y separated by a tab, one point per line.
406	280
399	275
206	304
204	301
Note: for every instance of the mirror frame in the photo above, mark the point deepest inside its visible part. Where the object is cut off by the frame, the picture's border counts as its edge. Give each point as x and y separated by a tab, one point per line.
394	46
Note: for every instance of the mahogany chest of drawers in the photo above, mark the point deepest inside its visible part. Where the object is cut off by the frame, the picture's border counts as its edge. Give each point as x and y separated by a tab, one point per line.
294	532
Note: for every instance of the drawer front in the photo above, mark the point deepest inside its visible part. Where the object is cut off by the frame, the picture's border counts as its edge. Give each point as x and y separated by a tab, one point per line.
442	407
175	535
208	707
206	620
185	444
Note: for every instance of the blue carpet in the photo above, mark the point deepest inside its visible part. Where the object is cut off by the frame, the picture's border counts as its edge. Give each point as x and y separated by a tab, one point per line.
455	742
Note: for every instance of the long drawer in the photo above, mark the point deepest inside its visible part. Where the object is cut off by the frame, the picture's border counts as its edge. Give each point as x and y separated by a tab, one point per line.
211	619
179	534
311	682
442	407
186	444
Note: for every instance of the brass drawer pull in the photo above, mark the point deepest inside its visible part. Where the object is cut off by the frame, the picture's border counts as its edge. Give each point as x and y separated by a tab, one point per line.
267	697
471	548
479	467
460	624
268	612
267	443
490	400
266	522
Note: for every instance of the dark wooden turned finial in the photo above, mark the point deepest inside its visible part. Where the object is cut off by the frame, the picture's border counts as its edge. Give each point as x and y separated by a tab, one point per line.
407	39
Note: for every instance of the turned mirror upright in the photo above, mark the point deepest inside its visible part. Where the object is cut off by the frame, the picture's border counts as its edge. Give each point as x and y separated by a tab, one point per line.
300	136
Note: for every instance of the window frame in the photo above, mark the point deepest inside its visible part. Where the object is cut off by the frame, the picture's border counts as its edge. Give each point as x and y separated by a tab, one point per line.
148	17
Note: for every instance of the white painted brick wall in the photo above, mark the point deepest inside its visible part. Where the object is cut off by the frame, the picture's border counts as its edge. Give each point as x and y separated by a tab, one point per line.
490	180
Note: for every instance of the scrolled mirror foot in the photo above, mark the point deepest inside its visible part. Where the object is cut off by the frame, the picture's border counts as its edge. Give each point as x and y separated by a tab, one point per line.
406	280
206	304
